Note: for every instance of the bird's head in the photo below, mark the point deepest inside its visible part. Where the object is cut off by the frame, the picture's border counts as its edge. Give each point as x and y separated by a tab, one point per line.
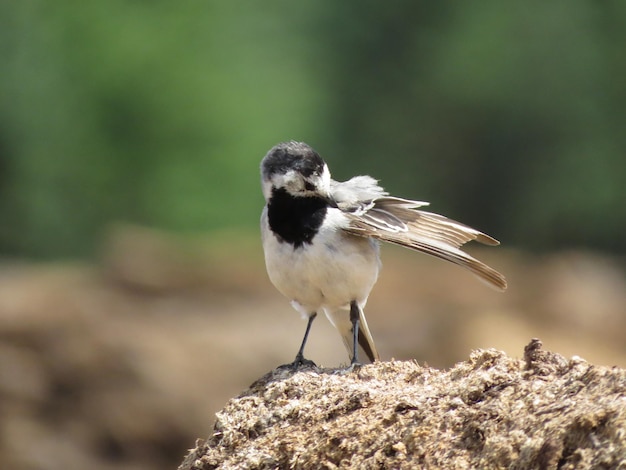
296	168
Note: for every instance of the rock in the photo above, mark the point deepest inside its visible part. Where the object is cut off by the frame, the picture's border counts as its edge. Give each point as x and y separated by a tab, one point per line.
491	411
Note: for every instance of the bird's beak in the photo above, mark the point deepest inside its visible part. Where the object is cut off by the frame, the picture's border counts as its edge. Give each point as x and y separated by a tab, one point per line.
330	201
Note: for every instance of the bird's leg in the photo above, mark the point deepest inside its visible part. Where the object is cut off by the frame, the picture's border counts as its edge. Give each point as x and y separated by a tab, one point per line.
300	360
355	319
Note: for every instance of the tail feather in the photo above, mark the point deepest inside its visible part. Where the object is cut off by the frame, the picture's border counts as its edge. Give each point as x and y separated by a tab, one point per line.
341	320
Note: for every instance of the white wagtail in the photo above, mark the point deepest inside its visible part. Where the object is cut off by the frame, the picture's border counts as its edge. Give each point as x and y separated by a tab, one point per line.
320	239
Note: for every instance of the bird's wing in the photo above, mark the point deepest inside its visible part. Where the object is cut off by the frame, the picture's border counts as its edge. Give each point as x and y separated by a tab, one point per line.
399	221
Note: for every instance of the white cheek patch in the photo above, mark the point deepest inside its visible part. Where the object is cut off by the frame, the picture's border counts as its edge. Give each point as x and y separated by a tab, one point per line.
294	182
291	180
267	189
325	179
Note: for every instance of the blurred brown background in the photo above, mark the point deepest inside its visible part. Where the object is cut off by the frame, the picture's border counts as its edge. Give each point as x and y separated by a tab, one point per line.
133	296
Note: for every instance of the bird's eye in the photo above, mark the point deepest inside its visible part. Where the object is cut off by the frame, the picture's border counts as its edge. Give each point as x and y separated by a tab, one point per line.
309	186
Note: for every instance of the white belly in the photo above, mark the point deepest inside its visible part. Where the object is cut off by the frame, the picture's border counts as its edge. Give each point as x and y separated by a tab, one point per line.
334	270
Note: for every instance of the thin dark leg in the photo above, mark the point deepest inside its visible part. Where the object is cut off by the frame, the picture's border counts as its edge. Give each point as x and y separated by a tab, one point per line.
300	360
354	318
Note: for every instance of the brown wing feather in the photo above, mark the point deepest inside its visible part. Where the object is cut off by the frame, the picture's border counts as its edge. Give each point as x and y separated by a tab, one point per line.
423	231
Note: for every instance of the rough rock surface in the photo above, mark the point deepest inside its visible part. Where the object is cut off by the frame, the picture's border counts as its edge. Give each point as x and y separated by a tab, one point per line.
492	411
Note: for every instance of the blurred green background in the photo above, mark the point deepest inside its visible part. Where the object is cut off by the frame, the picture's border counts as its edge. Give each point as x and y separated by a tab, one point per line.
508	116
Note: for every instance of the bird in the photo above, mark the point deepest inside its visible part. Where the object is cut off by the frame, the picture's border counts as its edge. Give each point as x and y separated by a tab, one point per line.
321	239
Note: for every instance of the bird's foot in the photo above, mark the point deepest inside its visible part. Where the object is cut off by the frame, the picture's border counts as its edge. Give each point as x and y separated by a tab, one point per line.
352	367
299	363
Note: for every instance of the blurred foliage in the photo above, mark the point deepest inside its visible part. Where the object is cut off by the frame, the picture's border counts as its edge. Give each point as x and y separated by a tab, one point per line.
508	116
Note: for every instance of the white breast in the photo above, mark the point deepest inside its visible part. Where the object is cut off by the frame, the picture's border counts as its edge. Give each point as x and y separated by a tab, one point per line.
329	273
